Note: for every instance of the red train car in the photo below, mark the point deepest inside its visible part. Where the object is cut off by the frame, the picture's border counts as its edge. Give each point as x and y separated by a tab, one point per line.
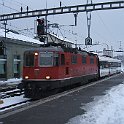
49	68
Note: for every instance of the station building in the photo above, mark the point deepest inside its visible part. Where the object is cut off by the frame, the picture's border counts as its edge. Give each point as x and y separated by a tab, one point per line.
11	52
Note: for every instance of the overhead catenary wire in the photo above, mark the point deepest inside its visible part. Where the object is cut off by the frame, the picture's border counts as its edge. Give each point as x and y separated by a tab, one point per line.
106	27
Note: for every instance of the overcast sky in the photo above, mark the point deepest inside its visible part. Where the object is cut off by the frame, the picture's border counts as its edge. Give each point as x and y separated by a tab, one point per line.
107	26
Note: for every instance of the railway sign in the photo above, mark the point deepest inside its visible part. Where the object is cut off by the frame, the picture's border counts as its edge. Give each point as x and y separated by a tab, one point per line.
88	41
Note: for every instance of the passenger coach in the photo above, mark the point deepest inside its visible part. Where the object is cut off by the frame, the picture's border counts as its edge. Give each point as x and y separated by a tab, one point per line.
109	66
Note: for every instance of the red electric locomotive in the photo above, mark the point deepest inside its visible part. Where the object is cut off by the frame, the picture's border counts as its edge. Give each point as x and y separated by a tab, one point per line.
48	68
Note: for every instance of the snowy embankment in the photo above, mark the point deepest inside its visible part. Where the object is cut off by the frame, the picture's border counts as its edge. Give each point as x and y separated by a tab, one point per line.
11	81
108	109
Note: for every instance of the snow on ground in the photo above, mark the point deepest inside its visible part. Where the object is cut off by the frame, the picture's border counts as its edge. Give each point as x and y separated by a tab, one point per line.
12	100
11	81
107	109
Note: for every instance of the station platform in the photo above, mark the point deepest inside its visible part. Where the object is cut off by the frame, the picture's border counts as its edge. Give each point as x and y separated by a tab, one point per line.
60	110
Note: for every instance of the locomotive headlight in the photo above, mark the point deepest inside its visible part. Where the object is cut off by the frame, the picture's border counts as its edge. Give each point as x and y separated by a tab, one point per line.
26	77
36	54
47	77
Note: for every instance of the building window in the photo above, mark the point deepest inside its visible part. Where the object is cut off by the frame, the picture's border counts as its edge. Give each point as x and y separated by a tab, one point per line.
17	66
2	68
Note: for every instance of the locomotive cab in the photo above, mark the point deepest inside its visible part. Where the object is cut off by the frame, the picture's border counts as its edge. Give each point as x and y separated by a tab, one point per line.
36	62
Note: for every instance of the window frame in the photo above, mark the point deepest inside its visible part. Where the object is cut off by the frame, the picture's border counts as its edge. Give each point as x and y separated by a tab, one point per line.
74	58
16	65
62	59
84	59
92	59
33	64
46	65
3	75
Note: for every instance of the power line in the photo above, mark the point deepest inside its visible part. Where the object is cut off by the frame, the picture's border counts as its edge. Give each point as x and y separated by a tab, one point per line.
9	7
105	26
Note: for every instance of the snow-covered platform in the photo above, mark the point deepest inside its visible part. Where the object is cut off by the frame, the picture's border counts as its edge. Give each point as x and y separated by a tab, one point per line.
95	103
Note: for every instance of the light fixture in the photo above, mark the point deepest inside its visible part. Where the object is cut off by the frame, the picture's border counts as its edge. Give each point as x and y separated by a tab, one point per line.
47	77
36	54
26	77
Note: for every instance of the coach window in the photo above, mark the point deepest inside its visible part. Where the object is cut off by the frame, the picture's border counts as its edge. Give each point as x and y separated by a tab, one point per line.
104	64
17	66
84	59
2	68
92	60
74	59
62	59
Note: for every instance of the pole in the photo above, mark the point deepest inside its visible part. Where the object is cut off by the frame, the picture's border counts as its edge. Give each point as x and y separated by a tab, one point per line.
5	23
46	24
88	18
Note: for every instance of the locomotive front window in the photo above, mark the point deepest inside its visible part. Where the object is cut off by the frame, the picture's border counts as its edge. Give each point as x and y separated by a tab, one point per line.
46	59
29	59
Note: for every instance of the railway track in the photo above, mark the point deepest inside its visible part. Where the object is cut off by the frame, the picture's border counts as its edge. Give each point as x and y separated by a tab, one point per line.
8	87
26	103
29	103
11	93
14	105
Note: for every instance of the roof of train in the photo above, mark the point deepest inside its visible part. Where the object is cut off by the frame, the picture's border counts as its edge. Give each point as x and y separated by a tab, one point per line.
61	49
46	49
104	58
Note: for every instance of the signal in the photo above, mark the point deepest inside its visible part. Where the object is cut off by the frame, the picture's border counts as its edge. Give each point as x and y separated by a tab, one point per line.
40	27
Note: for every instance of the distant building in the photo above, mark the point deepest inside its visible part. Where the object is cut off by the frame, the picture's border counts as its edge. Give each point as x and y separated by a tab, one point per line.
108	52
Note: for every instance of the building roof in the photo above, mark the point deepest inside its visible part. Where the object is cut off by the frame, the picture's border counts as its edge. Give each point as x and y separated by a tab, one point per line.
15	35
18	36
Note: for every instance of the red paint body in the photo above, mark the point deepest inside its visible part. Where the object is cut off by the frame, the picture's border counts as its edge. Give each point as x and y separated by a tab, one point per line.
61	74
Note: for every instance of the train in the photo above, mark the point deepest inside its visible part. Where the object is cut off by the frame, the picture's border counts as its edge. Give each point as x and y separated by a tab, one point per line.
109	66
49	68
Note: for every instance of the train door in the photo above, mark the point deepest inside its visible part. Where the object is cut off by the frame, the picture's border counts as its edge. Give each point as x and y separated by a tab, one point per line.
65	64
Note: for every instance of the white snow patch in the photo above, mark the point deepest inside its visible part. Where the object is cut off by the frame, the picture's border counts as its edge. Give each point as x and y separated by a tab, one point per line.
12	100
108	109
19	37
11	81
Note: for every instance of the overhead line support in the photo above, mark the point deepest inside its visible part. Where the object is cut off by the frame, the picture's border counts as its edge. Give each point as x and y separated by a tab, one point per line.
64	10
